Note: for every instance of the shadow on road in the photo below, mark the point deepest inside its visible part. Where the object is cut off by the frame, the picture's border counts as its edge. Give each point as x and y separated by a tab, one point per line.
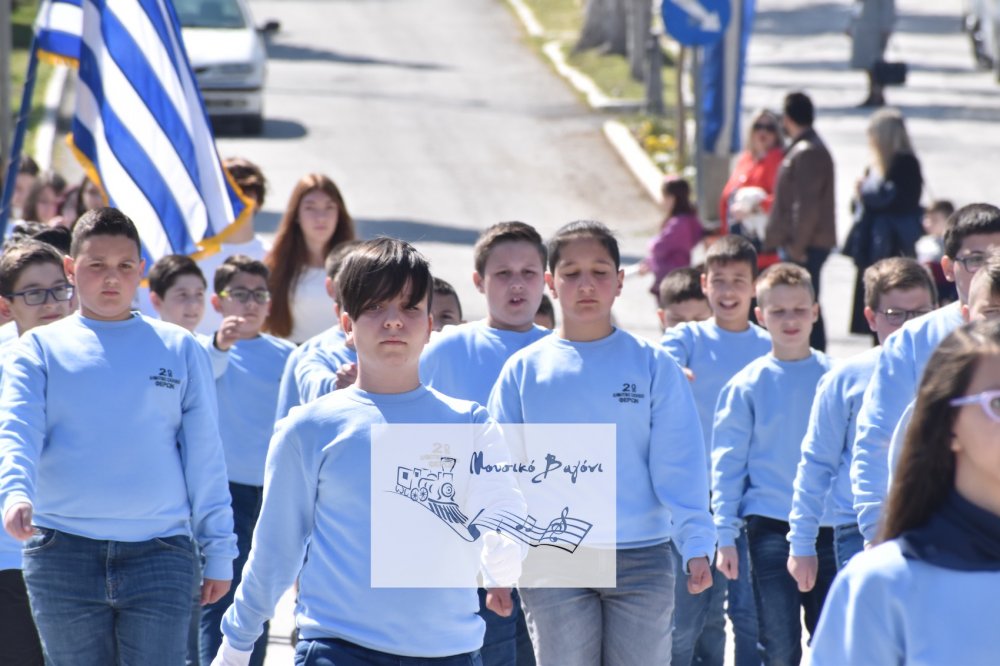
274	128
417	231
822	18
266	222
295	52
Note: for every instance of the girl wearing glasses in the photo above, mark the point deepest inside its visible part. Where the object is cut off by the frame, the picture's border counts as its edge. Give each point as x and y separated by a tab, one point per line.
924	594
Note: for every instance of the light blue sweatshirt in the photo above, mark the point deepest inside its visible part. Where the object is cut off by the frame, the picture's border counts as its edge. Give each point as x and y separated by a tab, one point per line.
247	388
894	384
315	524
714	355
762	417
316	370
110	429
635	385
886	609
10	548
288	391
464	361
898	439
217	359
826	451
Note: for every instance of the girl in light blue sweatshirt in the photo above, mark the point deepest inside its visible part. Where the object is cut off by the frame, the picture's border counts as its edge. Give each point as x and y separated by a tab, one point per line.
928	593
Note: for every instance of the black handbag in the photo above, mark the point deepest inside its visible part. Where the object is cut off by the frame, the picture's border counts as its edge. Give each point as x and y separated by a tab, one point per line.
889	73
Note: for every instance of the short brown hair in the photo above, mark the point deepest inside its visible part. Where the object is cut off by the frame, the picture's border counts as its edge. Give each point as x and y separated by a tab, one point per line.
784	274
506	232
681	284
20	256
167	269
732	249
248	176
379	270
895	273
238	263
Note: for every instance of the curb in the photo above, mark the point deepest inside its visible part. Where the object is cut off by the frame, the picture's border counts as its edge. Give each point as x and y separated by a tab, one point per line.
45	135
643	169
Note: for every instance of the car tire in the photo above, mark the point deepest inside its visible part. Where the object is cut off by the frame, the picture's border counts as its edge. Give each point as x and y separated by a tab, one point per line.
253	125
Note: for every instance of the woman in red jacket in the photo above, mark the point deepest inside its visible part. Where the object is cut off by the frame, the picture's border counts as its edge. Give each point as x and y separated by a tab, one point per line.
747	197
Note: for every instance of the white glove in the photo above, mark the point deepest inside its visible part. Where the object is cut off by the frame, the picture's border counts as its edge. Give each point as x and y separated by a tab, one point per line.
230	656
501	560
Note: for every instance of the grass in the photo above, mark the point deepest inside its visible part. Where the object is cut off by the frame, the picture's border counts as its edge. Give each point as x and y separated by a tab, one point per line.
22	20
562	20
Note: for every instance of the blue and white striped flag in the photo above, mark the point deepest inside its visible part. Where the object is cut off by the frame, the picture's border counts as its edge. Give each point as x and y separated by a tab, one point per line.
57	30
140	129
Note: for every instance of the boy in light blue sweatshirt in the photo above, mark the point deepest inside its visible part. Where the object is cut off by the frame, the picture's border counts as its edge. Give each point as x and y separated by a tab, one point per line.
464	362
247	390
315	522
34	291
762	415
895	290
590	372
973	232
110	456
711	352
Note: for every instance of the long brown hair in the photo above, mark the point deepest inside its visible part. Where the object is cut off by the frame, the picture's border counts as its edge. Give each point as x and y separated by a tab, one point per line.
925	474
289	254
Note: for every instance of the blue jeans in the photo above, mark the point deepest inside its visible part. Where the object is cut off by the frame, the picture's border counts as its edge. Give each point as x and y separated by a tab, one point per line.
699	635
337	652
246	501
847	542
503	640
626	624
779	602
110	602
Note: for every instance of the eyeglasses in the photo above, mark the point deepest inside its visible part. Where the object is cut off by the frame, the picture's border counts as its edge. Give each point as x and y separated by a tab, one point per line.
989	401
900	317
766	127
972	262
41	296
243	296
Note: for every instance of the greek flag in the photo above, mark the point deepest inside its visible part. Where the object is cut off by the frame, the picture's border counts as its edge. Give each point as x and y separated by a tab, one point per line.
57	31
140	129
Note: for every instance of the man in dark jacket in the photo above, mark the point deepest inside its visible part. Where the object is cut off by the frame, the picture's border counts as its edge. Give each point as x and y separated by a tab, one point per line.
802	226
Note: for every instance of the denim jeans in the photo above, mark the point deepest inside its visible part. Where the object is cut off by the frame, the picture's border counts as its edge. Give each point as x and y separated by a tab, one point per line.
699	635
847	542
19	642
246	501
502	642
110	602
779	602
336	652
627	624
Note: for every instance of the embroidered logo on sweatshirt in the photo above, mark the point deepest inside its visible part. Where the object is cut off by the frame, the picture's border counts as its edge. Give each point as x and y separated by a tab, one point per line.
628	394
164	378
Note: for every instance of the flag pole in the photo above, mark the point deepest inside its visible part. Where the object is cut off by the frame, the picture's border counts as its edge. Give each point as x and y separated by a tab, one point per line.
19	131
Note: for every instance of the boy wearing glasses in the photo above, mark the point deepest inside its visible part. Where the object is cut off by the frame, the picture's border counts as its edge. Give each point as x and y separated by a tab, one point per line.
109	460
247	389
35	292
895	290
973	232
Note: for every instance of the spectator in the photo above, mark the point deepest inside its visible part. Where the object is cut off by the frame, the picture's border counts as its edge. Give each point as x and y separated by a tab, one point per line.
679	233
870	28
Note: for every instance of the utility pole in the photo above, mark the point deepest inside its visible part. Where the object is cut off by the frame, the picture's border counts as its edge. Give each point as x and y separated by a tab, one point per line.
6	37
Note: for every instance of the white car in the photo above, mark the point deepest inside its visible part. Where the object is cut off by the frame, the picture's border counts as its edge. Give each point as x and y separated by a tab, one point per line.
227	53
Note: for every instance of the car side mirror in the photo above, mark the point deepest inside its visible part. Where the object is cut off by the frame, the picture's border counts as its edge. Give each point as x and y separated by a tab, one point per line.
269	28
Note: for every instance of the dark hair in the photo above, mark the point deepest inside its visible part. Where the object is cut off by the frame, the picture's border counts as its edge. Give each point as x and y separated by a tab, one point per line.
784	274
20	256
81	207
167	269
895	273
238	263
925	474
58	237
289	253
505	232
335	259
379	270
943	206
799	109
50	180
680	190
248	176
681	284
28	166
730	249
443	288
583	229
546	308
971	220
103	222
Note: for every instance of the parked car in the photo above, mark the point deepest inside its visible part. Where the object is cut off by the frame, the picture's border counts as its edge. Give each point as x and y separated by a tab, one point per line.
229	58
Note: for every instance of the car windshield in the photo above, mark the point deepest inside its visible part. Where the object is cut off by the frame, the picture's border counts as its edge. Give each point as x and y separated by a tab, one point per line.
210	14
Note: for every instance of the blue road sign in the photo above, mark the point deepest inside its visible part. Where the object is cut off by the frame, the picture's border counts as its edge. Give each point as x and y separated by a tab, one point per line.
696	22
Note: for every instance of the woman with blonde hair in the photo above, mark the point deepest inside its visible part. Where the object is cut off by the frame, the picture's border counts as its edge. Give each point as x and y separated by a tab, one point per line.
315	221
887	205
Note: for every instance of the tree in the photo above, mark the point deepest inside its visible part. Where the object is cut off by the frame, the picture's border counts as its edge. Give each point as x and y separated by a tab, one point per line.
620	27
